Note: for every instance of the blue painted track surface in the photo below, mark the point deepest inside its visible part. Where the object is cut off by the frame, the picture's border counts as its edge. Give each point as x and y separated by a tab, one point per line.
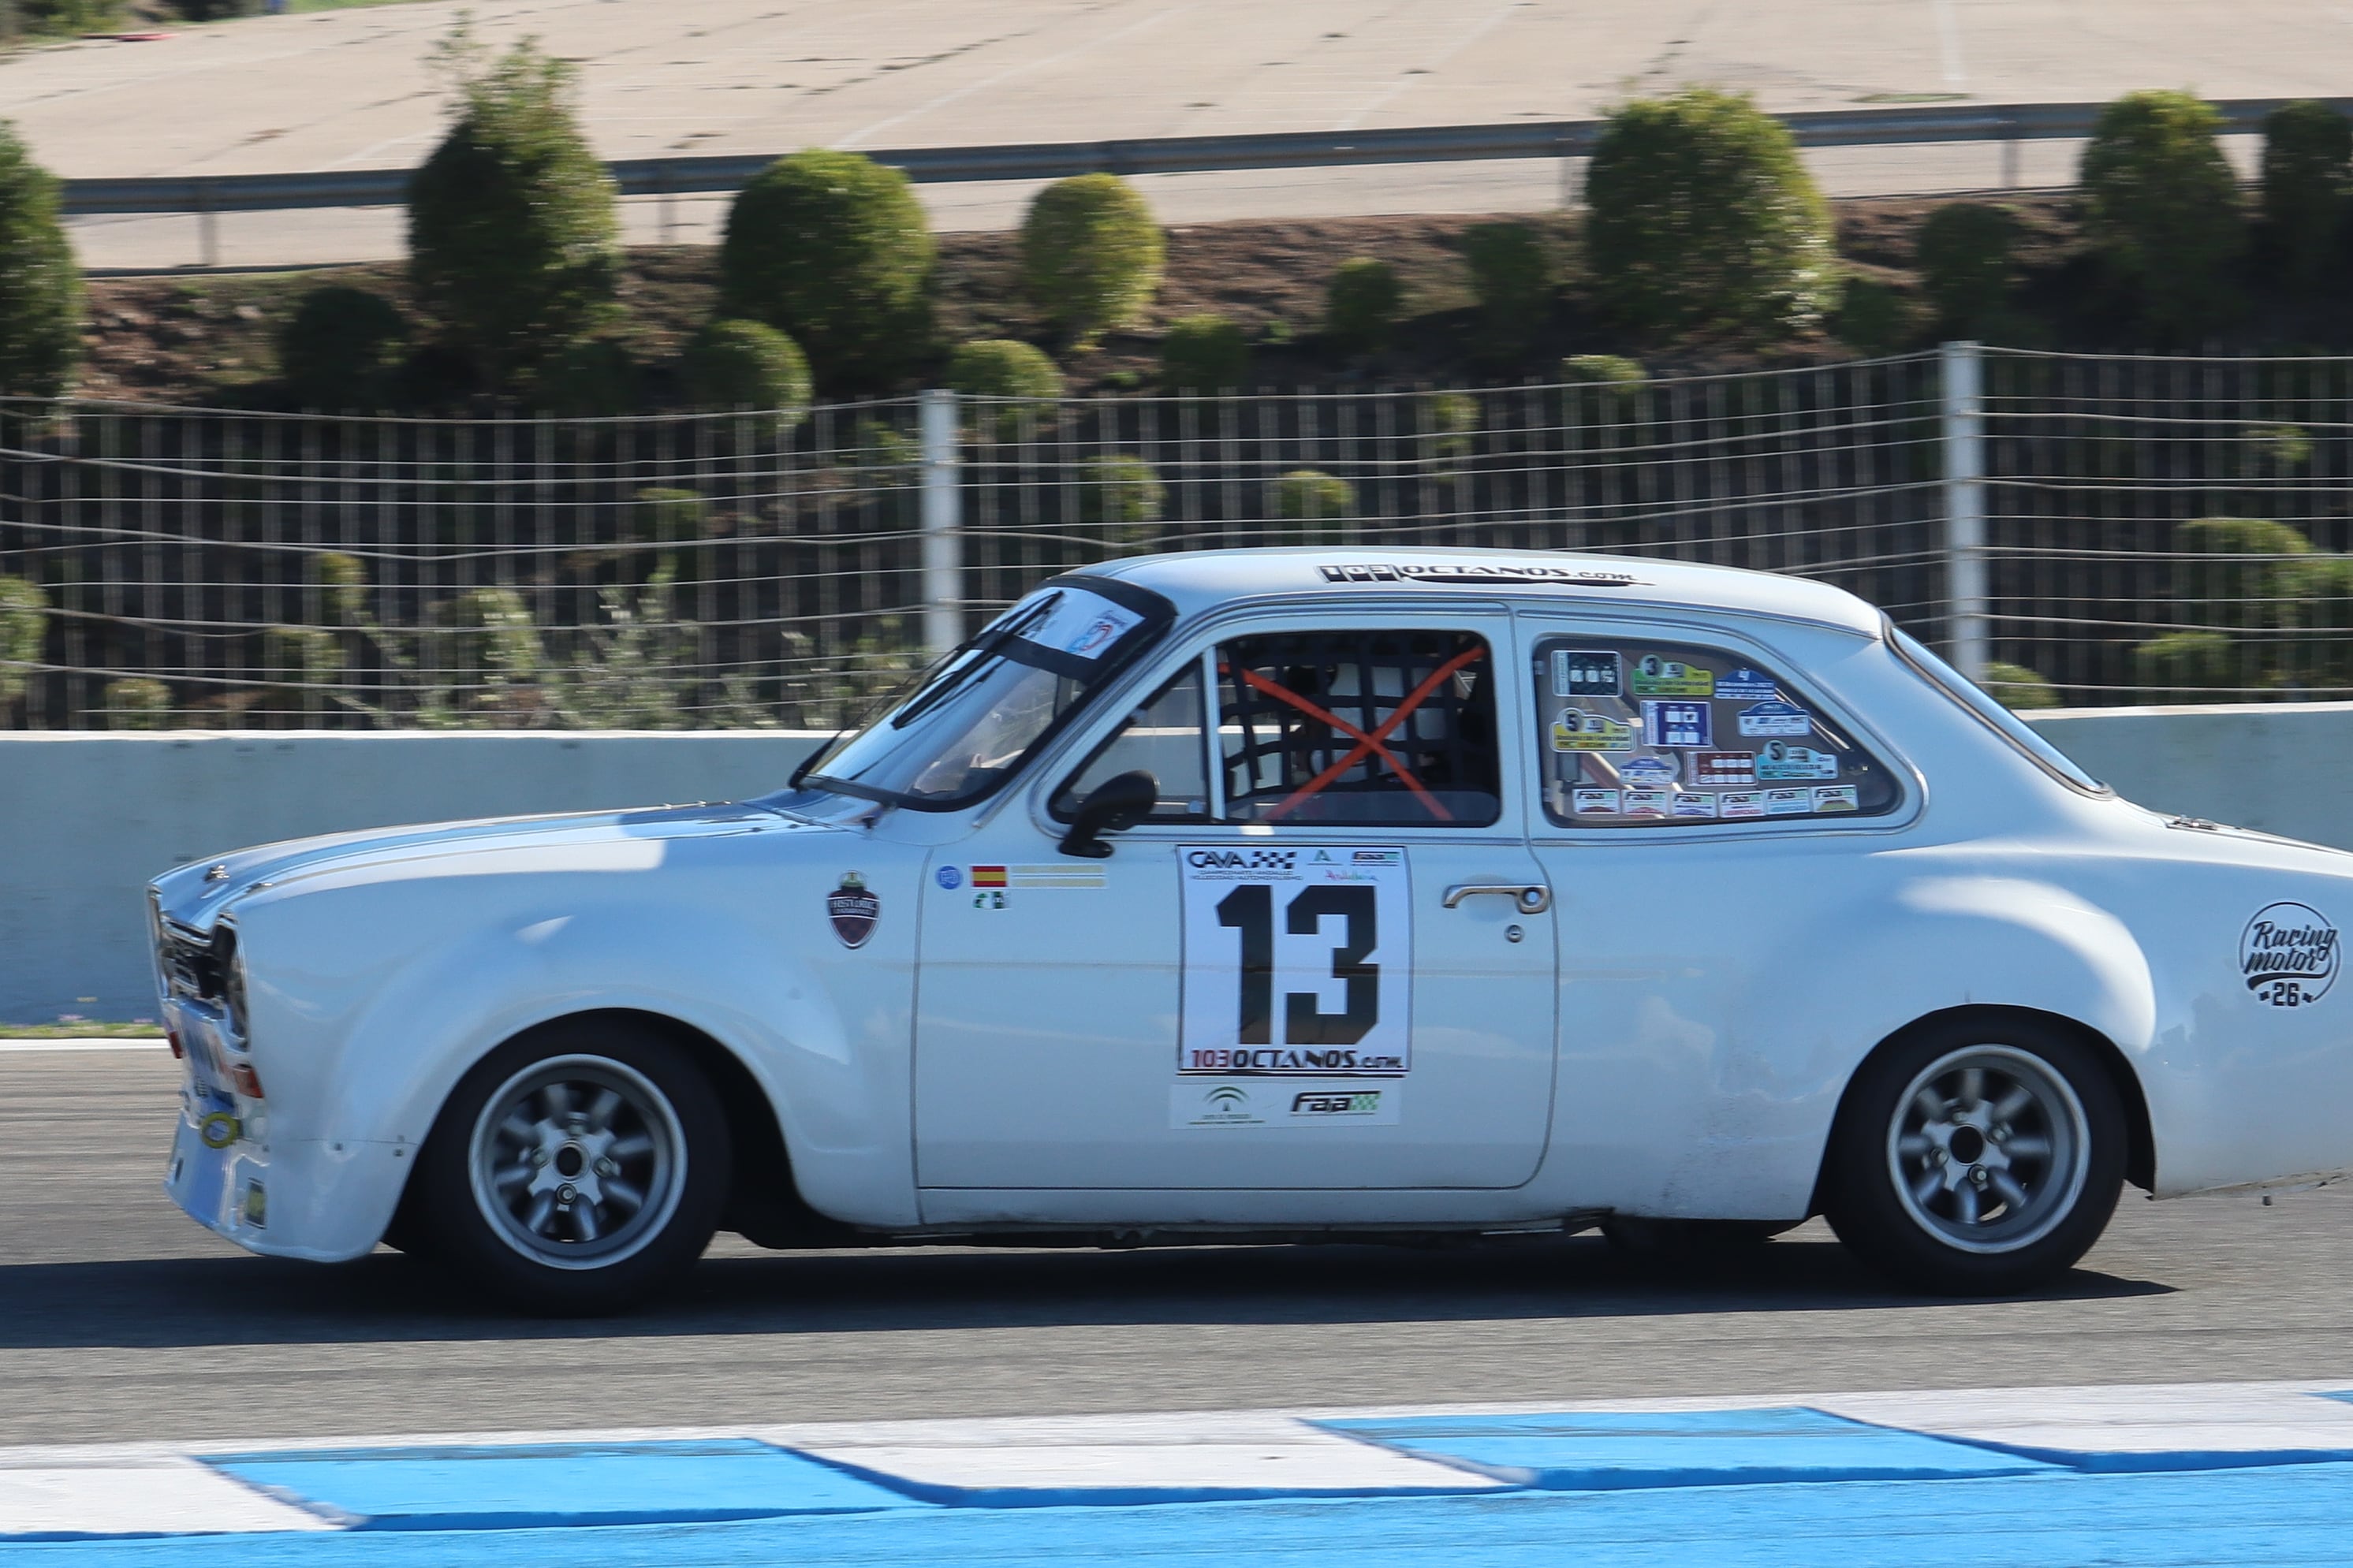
2247	1519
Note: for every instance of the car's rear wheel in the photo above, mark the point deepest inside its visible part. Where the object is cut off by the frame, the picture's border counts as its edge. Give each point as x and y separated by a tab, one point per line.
577	1169
1977	1158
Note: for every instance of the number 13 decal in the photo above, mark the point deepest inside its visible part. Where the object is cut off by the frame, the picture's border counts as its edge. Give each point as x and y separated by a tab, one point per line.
1325	932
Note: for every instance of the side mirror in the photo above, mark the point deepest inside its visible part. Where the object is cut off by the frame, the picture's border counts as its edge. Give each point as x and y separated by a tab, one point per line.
1116	805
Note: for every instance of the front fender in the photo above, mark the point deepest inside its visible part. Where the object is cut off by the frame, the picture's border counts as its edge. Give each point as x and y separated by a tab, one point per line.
383	1047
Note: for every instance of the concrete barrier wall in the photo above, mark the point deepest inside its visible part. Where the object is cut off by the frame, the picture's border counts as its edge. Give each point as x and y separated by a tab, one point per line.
86	820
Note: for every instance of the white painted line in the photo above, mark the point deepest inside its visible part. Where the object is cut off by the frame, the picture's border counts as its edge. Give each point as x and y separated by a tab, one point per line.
163	1496
2150	1419
1152	1453
27	1047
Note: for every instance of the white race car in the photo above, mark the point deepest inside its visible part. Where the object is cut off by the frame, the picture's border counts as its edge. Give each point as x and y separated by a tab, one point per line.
1294	892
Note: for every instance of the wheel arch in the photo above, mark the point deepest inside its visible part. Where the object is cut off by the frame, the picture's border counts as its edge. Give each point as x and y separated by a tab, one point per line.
2140	1151
764	1201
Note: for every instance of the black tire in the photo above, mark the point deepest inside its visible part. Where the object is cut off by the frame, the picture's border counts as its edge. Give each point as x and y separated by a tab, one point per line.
2046	1126
526	1183
1691	1240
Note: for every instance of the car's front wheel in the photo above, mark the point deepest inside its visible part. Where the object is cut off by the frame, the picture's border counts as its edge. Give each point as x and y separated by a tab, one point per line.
577	1169
1975	1158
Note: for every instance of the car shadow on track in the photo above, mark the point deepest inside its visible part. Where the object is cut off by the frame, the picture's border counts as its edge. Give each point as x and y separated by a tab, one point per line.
385	1298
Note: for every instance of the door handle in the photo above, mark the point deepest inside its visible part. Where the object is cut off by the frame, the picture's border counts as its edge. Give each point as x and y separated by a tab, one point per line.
1528	897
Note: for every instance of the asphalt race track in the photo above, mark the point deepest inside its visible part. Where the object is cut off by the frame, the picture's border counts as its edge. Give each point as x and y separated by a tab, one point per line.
119	1321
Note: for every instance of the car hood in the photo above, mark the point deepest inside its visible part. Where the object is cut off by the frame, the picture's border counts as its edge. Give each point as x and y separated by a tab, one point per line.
195	895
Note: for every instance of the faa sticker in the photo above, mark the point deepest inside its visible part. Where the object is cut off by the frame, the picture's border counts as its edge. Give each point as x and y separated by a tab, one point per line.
2288	955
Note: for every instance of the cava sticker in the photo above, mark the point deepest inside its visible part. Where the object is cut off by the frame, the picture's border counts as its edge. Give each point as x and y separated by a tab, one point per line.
1575	730
2288	955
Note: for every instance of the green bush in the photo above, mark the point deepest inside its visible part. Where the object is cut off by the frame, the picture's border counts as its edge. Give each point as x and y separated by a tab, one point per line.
1602	370
832	248
1967	254
68	18
1701	219
1123	496
302	655
343	584
136	703
2191	664
24	628
40	286
1204	354
1876	318
216	10
1361	305
1016	379
1314	498
1511	278
668	515
2241	572
1090	256
2016	686
513	243
342	347
2162	204
735	363
2307	173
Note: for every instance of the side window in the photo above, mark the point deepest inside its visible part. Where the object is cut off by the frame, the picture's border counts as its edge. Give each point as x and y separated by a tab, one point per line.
1362	728
1645	735
1163	738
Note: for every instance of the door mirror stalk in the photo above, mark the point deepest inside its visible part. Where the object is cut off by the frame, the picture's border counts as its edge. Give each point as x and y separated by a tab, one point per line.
1113	807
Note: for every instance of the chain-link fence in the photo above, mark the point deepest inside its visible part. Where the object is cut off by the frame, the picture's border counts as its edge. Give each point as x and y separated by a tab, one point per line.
2154	530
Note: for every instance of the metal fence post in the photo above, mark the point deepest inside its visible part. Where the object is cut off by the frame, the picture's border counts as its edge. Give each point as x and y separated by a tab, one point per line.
943	535
1962	395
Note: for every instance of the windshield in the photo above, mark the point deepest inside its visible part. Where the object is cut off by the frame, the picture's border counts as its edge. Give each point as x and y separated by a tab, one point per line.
973	718
2013	729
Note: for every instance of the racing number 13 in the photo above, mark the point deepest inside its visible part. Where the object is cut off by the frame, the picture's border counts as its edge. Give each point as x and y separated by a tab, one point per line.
1249	909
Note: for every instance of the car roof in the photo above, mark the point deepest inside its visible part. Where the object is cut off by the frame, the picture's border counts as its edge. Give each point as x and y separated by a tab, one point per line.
1203	580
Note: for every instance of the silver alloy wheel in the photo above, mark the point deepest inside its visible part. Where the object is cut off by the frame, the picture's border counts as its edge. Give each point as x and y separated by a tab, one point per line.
577	1161
1989	1149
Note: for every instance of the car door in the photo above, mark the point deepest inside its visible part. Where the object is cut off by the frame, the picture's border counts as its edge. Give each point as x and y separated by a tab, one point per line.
1321	962
1705	821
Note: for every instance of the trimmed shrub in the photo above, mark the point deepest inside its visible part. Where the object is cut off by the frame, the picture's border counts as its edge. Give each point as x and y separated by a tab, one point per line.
1204	354
512	239
1450	417
1967	255
136	702
1361	305
2241	572
342	581
2307	172
736	363
1876	318
1603	370
342	347
1511	278
1123	496
1312	497
302	655
24	628
2017	688
1090	256
2186	664
2162	204
1019	381
69	18
1701	219
832	249
667	515
40	286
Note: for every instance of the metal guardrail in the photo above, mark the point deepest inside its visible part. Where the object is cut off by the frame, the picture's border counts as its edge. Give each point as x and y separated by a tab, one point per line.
2007	123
